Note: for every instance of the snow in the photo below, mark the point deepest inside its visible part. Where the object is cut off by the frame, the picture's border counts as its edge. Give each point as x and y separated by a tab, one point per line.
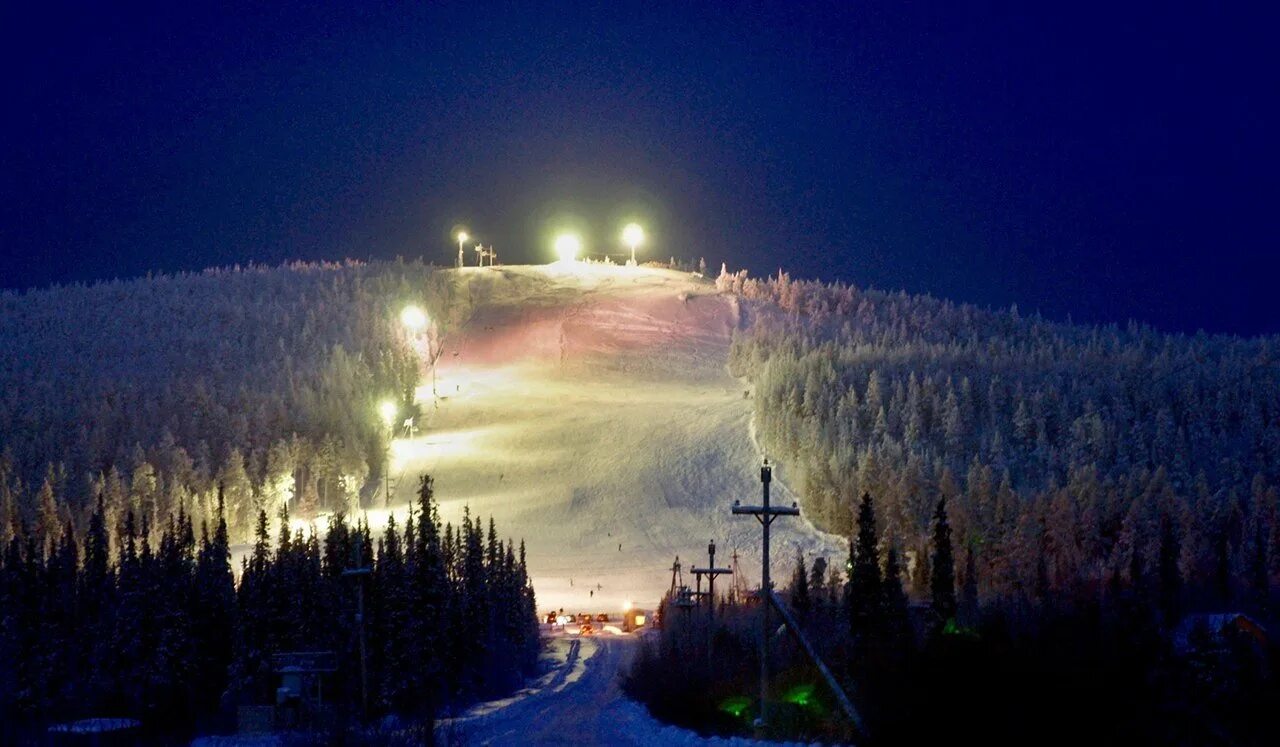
589	409
96	726
585	705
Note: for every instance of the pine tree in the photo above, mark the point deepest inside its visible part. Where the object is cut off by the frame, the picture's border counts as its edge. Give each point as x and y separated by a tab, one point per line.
433	603
48	517
800	598
896	622
1170	578
818	582
214	610
942	580
895	595
864	572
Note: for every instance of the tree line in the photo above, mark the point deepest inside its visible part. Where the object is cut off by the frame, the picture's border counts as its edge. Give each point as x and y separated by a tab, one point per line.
1071	457
107	623
157	392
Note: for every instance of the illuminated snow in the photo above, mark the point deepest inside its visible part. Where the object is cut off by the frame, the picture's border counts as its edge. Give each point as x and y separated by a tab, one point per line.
593	409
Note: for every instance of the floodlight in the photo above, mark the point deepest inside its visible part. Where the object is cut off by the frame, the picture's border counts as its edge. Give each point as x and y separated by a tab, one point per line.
413	318
567	247
388	411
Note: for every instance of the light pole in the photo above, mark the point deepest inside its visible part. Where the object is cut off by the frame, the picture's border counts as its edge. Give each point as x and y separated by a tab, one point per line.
388	412
462	238
633	236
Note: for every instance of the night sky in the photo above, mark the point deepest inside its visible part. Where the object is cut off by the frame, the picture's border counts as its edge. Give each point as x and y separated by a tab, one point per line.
1101	161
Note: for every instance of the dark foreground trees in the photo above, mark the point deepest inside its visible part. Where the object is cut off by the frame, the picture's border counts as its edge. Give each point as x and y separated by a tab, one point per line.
1121	667
148	622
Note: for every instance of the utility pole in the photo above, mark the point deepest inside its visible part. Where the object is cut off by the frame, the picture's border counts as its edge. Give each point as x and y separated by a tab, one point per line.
765	514
358	573
711	572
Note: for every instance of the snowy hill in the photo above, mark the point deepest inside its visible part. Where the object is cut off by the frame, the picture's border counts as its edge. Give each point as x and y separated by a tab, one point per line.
590	409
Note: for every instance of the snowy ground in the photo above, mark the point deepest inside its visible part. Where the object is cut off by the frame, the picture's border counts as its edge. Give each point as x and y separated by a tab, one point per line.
590	409
578	702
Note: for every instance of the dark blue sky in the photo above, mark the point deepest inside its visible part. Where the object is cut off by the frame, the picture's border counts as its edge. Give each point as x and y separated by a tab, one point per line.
1106	161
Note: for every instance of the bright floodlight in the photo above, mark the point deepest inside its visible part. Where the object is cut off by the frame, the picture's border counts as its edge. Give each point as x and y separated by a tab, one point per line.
413	318
462	236
626	606
633	236
388	412
567	247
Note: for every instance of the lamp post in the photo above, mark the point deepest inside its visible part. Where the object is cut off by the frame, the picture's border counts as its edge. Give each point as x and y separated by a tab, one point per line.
633	236
462	238
387	409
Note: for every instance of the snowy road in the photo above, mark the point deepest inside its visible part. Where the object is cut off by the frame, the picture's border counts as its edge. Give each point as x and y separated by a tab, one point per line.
581	703
590	709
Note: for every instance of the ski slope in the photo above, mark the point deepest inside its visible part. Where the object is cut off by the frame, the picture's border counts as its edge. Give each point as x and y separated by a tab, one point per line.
588	409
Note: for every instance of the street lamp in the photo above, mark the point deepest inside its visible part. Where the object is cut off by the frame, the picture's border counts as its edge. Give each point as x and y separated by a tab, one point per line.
462	238
413	318
567	247
387	409
633	236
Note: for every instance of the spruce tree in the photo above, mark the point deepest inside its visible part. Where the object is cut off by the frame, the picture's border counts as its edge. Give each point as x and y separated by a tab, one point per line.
1170	578
864	572
800	598
942	578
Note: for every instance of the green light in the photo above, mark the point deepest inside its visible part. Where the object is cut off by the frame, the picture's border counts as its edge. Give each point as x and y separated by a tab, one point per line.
736	705
801	695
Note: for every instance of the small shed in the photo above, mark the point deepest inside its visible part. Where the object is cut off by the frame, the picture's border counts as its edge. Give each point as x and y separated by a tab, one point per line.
300	695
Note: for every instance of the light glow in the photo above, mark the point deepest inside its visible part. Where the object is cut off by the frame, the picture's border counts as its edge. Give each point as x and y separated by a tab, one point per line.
626	606
462	236
318	526
387	409
413	318
567	247
633	235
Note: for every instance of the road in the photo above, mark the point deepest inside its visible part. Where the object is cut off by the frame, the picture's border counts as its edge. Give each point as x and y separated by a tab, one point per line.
581	703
